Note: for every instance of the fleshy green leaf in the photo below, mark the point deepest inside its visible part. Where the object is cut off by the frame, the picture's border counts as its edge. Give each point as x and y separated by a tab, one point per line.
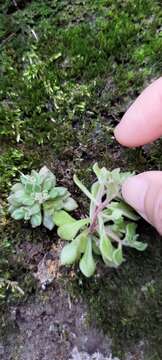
29	188
118	209
48	221
28	200
119	227
102	174
82	239
125	175
118	256
53	193
18	196
24	179
23	198
106	246
110	264
61	191
95	246
130	235
57	204
84	189
69	231
69	254
48	183
140	246
18	214
27	214
62	217
37	187
97	170
35	209
13	201
131	238
45	173
115	181
48	206
17	187
36	220
70	204
11	209
113	190
34	174
112	215
87	264
73	251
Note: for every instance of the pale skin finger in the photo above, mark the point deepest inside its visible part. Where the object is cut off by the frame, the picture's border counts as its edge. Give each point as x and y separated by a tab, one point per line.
144	193
142	123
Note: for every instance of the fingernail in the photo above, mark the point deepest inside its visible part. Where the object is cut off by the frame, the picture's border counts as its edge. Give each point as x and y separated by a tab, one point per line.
134	192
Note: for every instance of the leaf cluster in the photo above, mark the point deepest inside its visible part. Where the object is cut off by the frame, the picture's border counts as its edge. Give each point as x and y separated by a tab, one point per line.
36	198
107	228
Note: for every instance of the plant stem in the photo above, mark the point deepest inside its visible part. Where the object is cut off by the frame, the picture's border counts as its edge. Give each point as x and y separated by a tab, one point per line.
98	209
113	236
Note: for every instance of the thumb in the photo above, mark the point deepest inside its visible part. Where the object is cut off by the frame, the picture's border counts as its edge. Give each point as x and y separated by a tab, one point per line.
144	193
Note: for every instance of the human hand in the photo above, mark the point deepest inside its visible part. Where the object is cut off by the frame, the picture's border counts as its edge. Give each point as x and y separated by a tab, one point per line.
141	124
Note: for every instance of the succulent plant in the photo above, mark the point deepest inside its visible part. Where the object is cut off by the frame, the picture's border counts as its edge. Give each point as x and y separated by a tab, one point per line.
106	230
36	198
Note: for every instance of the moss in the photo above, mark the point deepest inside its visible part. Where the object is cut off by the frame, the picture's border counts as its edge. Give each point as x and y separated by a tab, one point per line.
14	160
55	77
13	267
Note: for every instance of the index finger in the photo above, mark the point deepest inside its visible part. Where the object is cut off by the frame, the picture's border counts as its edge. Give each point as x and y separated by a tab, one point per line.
142	123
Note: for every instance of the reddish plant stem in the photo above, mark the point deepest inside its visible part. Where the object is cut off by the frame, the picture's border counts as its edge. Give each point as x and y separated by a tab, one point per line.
98	209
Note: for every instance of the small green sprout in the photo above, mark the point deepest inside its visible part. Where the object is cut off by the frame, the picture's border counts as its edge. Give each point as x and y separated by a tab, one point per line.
36	198
108	228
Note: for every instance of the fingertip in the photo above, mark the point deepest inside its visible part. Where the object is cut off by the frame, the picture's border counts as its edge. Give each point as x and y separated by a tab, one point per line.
134	190
142	122
121	135
117	133
143	192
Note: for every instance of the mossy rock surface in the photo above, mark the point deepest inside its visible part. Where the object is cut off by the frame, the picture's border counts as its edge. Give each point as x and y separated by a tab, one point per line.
69	70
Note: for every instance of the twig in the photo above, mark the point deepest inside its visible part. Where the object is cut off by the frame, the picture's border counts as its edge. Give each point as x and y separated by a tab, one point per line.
15	4
9	37
12	284
34	34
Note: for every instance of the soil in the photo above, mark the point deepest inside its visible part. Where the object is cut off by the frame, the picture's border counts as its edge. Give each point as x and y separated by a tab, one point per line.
50	327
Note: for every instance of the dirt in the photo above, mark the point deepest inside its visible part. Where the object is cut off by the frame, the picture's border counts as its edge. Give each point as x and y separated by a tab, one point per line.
50	327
